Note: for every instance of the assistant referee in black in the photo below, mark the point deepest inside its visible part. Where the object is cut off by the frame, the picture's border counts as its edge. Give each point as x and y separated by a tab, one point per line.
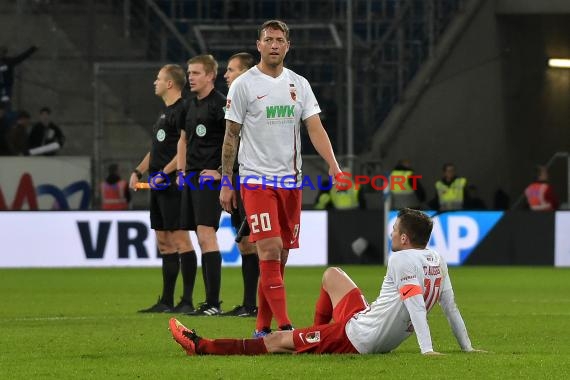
200	150
172	238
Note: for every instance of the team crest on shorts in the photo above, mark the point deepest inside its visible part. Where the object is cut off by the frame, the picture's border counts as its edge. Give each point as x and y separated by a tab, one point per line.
293	92
313	337
201	130
160	135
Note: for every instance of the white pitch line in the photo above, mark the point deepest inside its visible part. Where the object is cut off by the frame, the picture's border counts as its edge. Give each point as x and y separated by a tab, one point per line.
39	319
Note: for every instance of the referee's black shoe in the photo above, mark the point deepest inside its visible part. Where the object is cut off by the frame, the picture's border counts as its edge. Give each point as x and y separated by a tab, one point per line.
183	307
241	311
158	307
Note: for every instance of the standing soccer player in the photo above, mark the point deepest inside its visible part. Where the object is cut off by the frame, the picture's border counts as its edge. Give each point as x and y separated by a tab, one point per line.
173	240
267	105
199	151
416	278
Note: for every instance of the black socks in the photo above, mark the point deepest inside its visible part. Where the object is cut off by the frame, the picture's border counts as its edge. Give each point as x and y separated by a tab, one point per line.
188	267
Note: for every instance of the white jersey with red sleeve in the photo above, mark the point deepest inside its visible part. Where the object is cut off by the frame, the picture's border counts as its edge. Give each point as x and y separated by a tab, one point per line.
414	281
270	111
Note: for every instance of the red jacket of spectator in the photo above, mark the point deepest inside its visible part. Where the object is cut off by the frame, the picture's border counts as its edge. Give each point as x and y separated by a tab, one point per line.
113	196
541	197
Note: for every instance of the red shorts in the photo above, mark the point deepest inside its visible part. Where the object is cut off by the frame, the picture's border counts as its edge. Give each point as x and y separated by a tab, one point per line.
273	212
331	338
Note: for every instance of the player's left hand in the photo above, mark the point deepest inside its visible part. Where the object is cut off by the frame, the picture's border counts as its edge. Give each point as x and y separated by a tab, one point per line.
334	171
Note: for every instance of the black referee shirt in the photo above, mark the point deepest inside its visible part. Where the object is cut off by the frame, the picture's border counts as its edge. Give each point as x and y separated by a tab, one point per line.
205	129
165	135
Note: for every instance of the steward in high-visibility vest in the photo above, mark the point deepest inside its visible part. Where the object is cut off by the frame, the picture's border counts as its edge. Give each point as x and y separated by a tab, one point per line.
345	199
451	195
324	201
408	196
450	189
539	194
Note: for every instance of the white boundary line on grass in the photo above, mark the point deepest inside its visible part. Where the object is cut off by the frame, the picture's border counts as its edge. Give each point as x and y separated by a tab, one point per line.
39	319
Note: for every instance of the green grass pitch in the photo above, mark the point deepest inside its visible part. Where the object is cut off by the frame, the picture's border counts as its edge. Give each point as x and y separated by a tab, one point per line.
82	323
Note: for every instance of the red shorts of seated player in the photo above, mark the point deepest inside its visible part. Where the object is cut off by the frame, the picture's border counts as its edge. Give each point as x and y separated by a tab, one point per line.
331	338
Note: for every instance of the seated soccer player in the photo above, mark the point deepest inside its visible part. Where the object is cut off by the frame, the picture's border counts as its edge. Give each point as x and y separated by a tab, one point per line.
416	279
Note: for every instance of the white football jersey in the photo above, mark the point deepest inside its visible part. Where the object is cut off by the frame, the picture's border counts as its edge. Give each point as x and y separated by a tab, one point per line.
386	323
270	111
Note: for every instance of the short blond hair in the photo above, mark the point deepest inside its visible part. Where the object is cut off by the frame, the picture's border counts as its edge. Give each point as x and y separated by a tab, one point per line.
208	61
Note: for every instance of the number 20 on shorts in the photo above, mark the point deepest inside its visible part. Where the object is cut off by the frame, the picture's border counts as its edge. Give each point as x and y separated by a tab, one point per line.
260	221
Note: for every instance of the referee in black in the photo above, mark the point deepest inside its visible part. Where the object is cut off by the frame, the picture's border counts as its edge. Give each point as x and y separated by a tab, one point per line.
238	64
199	152
172	237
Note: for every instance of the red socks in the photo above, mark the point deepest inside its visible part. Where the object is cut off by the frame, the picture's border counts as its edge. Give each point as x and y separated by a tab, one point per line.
231	347
264	313
323	309
273	289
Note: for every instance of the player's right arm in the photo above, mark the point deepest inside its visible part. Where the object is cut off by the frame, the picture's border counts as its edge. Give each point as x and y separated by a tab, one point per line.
229	150
141	168
230	147
236	109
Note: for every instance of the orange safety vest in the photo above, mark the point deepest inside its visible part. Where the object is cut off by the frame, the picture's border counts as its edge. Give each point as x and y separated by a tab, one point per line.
535	197
113	196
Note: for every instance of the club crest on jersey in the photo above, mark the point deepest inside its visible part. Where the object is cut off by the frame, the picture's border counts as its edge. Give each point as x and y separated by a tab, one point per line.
201	130
160	135
313	337
293	92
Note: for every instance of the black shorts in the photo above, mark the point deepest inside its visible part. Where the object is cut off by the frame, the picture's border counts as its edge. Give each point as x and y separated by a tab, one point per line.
201	205
238	215
165	209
